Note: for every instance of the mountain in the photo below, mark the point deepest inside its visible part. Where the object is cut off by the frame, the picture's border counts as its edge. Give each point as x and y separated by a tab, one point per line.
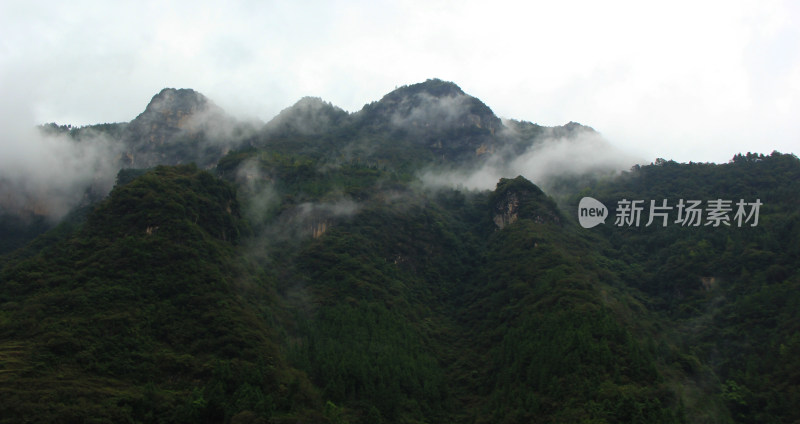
309	274
179	126
433	123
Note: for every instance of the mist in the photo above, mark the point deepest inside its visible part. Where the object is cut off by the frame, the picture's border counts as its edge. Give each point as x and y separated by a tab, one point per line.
262	197
265	210
49	174
425	112
548	157
205	116
308	116
49	170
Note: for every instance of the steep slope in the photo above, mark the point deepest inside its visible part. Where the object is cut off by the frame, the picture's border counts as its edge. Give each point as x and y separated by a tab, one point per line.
559	336
422	306
144	314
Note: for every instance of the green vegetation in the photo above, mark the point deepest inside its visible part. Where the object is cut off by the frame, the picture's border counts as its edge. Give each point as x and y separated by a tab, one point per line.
165	304
143	314
311	277
731	293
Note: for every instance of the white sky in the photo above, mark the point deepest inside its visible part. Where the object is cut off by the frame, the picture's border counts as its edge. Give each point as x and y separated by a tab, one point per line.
683	80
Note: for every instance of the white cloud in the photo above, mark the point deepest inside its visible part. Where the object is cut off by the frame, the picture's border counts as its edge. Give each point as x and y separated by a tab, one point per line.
549	156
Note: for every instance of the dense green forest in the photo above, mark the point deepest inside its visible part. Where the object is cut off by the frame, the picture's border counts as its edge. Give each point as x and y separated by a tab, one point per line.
303	272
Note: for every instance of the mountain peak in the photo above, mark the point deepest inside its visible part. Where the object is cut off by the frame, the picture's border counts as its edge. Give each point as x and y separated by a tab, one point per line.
311	102
519	198
433	87
437	114
434	105
183	100
308	116
194	128
175	109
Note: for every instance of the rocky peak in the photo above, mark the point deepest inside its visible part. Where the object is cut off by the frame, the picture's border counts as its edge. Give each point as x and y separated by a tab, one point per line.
183	100
506	210
178	126
173	109
518	198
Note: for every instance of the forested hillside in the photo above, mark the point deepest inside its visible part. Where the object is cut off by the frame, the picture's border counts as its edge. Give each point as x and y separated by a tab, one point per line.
303	271
731	292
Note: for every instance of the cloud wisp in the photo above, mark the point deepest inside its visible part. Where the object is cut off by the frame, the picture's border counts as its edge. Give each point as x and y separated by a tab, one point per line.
549	156
51	173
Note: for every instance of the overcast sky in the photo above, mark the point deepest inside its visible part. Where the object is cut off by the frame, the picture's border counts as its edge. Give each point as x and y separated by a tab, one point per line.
685	80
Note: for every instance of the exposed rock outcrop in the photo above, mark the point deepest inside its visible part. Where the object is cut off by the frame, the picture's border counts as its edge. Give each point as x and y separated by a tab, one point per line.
518	198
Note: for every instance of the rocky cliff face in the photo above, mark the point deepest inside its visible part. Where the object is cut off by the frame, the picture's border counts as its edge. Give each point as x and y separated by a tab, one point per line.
180	126
319	227
171	111
518	198
506	211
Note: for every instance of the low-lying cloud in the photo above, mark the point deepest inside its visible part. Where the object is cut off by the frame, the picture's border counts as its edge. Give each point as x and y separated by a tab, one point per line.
339	208
50	170
308	116
49	174
262	197
423	111
548	157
